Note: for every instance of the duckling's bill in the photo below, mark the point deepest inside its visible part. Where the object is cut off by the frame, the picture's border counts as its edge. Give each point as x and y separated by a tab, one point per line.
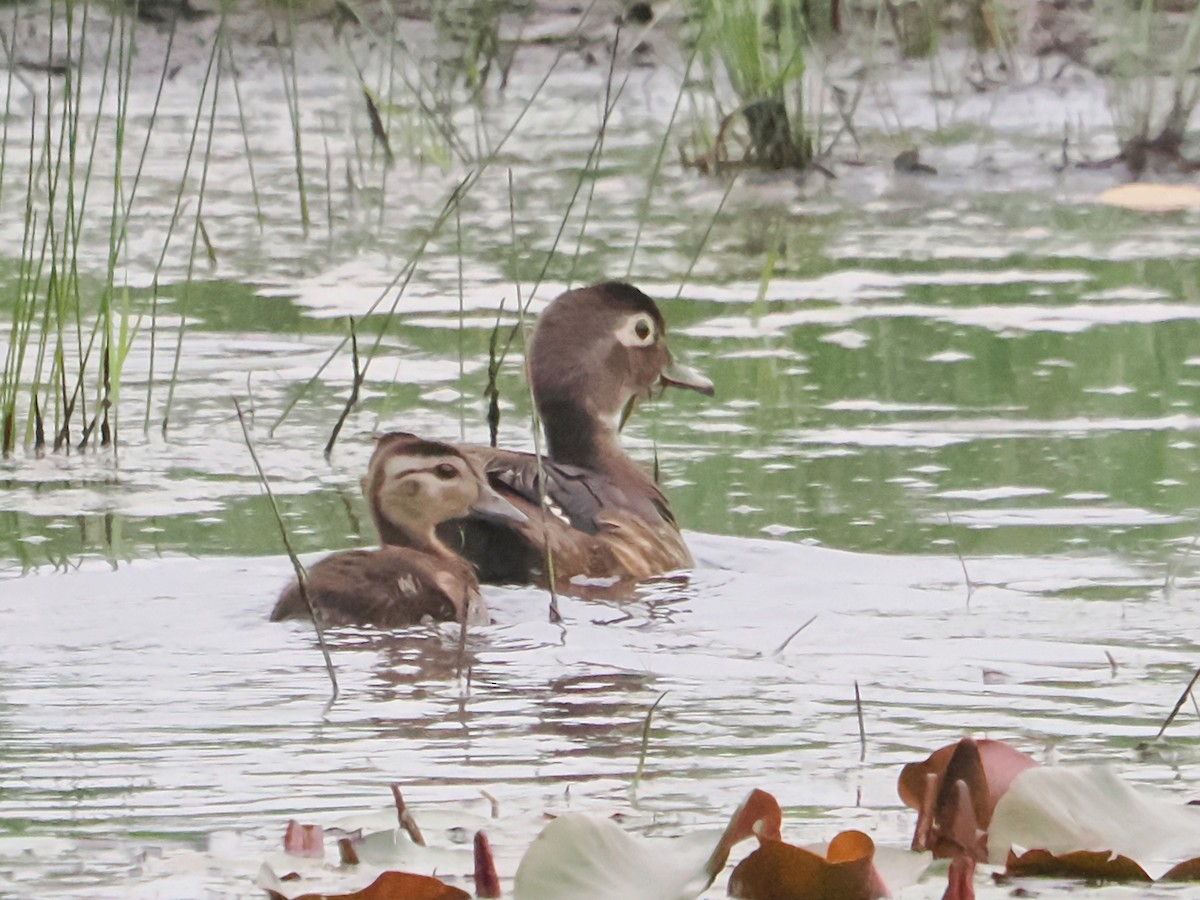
491	505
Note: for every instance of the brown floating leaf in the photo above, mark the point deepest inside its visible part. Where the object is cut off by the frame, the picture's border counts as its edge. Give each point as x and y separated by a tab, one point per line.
1185	871
304	840
955	791
1101	864
1124	830
779	871
393	886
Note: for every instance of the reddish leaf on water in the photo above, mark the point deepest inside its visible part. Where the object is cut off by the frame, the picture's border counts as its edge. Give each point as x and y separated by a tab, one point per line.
304	840
407	822
957	815
758	816
348	854
961	881
779	871
395	886
1101	864
487	882
955	792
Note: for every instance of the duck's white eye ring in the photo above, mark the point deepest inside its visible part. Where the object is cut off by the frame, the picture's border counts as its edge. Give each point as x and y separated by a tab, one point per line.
637	331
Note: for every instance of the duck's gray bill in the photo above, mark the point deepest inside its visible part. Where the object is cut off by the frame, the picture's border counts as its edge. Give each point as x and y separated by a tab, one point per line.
679	375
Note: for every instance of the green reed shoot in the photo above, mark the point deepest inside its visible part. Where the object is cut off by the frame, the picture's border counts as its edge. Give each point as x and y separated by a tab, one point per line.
213	73
759	48
291	92
645	746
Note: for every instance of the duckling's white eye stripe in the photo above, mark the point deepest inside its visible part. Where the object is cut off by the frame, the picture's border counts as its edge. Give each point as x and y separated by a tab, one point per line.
399	466
628	335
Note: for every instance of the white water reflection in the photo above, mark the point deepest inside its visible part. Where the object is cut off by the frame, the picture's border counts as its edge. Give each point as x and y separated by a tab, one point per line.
157	698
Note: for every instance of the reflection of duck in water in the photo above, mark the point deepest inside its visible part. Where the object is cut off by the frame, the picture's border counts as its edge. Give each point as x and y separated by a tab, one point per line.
592	352
412	485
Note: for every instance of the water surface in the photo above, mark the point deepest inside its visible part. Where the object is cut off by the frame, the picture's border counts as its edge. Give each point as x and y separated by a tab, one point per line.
907	370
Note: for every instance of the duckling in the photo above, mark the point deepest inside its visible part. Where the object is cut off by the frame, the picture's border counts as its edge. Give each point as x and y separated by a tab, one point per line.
412	485
593	351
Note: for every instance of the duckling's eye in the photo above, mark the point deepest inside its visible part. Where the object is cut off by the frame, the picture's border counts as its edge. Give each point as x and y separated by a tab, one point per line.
445	471
642	329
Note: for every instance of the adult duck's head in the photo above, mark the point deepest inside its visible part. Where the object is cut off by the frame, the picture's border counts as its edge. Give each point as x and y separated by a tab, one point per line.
412	485
592	351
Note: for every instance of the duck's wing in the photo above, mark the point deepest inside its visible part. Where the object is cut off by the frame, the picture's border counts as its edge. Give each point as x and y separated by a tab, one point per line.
586	521
573	495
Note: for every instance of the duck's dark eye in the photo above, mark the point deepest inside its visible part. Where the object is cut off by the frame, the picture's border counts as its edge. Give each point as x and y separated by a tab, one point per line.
445	471
642	329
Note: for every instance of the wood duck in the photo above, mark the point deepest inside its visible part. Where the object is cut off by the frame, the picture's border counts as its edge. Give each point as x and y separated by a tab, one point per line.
592	352
411	485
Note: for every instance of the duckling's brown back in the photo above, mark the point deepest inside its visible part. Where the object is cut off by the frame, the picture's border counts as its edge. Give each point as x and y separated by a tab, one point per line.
392	587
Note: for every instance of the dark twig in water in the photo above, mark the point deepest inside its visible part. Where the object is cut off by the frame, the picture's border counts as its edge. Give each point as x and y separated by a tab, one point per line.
39	425
492	390
359	375
462	633
407	822
862	729
1112	663
378	132
301	581
641	766
783	646
1187	691
961	560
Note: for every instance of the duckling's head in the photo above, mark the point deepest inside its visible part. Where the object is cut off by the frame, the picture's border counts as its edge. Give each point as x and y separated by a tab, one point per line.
597	347
413	484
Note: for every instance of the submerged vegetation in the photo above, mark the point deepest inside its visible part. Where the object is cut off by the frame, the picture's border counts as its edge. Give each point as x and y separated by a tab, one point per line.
1149	60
